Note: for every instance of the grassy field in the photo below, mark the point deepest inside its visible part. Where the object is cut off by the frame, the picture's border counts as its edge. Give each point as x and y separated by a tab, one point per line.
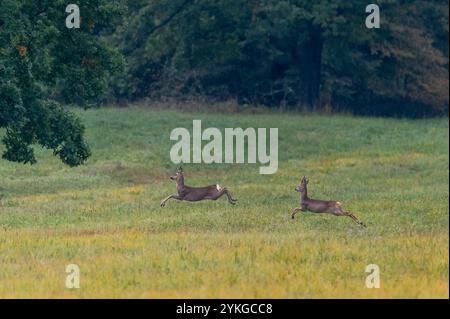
105	216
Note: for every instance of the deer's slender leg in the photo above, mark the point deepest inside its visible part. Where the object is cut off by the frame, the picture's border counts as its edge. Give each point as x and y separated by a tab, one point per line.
302	208
231	200
230	197
338	211
354	218
222	192
295	211
174	196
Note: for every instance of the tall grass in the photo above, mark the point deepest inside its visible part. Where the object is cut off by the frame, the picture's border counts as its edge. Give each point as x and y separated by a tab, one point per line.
105	216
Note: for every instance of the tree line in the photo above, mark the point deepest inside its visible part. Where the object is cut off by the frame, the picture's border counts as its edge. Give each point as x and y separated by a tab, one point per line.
290	54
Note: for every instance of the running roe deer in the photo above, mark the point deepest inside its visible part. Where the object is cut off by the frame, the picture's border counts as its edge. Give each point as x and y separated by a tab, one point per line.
194	194
320	206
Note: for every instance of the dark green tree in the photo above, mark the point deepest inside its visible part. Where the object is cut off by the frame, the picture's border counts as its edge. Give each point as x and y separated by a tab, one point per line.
298	53
42	62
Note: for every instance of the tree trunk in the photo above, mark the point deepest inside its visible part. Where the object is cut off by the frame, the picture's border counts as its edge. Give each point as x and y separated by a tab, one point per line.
310	68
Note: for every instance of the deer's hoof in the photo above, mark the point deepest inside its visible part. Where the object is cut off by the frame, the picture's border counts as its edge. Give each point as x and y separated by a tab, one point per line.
162	204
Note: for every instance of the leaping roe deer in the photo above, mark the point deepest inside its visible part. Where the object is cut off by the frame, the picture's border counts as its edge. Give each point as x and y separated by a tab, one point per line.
320	206
194	194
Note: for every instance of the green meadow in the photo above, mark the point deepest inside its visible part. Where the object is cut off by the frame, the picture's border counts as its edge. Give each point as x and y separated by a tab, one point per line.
105	216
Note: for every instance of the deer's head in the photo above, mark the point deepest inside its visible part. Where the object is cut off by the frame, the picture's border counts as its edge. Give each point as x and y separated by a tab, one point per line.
302	186
179	177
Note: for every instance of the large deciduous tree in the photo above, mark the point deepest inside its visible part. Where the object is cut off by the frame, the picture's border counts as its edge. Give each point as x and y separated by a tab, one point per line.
42	62
297	53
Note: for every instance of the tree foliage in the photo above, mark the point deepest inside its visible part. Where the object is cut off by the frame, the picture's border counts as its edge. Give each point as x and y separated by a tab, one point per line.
295	53
289	53
42	62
